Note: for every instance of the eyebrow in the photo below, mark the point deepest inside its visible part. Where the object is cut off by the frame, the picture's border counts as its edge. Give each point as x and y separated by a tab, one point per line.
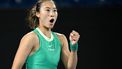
49	8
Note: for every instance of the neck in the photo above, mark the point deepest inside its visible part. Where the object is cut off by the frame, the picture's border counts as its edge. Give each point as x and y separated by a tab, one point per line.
45	31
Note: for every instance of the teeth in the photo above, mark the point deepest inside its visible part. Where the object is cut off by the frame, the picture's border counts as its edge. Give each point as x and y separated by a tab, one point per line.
52	20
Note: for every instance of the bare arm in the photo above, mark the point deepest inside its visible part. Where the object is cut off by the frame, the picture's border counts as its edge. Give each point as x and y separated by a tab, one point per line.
69	58
25	47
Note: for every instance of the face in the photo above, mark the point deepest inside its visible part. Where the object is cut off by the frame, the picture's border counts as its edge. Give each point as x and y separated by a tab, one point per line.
47	15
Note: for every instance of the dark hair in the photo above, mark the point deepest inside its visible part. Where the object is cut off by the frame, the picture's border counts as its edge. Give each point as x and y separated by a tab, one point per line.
33	20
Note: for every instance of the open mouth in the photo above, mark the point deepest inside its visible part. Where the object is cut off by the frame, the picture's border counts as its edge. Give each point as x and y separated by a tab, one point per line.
52	20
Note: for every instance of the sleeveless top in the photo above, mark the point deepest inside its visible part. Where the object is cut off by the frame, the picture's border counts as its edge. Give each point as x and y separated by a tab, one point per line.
48	54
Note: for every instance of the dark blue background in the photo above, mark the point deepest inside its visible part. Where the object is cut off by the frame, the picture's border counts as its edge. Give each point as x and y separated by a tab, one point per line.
97	21
61	3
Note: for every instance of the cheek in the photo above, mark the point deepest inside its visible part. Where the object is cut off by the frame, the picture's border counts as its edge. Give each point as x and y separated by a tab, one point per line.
56	14
44	16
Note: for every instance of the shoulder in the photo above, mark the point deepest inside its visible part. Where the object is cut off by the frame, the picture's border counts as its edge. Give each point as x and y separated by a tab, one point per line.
30	37
61	37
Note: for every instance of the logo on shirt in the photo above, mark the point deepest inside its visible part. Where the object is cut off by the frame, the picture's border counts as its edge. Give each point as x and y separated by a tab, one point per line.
51	46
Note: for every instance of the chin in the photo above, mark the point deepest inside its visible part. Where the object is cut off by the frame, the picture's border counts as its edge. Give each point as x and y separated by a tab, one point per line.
51	27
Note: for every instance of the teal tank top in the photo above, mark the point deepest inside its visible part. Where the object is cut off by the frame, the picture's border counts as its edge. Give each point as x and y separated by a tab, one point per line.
48	54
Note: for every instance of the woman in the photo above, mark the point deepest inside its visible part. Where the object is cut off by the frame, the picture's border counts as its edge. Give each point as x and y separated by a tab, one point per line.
41	48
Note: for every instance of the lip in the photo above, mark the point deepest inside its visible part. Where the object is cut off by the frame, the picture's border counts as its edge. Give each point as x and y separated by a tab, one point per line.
51	20
51	23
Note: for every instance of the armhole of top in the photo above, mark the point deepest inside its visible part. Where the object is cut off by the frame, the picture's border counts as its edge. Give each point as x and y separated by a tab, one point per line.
37	33
57	37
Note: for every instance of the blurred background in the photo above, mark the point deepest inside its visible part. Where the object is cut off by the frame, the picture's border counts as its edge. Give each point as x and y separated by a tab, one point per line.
97	21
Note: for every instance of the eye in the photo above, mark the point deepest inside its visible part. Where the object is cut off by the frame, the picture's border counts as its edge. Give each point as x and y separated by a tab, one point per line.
55	10
48	10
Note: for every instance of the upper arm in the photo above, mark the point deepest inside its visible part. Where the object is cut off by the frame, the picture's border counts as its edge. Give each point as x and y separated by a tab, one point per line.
65	49
25	47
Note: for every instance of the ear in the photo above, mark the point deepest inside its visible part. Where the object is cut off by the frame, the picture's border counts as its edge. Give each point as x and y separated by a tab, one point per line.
38	14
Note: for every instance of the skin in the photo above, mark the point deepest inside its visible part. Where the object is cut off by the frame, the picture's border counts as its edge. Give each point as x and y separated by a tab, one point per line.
30	42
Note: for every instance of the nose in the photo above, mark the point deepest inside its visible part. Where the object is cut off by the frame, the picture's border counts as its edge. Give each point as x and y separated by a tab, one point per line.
52	14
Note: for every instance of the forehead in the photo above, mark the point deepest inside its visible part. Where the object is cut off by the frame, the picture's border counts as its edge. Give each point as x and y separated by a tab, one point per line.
48	4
